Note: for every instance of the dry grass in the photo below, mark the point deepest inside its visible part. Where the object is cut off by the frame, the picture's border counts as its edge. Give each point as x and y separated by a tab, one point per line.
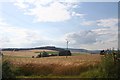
19	53
25	53
57	65
62	60
70	66
24	57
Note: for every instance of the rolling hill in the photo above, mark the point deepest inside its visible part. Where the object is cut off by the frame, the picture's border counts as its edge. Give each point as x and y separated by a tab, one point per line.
73	50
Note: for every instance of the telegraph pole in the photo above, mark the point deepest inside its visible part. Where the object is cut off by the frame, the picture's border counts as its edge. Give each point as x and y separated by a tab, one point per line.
0	52
67	46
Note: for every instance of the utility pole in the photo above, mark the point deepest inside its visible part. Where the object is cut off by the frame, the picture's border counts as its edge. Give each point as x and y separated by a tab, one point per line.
67	46
1	52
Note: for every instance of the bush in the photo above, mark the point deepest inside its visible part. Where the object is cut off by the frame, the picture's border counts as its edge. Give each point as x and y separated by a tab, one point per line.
94	73
7	71
110	65
45	54
108	68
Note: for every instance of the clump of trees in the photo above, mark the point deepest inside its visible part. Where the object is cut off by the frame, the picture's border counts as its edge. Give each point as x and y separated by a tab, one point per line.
65	53
43	54
61	53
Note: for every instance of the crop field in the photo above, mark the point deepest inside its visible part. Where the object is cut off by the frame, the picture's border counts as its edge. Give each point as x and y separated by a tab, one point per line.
20	64
23	57
26	53
50	66
73	60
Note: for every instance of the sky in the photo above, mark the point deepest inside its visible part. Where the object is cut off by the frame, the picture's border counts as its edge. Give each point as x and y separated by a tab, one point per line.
35	23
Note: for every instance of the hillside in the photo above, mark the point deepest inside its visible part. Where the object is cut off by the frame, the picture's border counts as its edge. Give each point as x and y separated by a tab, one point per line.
73	50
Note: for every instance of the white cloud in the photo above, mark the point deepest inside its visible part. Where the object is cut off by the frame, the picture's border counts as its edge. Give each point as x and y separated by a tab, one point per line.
70	1
53	13
106	31
101	45
48	10
20	37
105	36
93	39
101	38
2	22
21	5
82	37
110	22
88	23
78	14
107	22
12	36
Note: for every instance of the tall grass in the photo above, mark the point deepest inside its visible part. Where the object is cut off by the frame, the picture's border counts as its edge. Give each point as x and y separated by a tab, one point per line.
53	69
53	66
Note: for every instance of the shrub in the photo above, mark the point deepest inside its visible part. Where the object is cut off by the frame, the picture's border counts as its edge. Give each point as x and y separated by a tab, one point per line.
6	70
45	54
108	68
110	65
90	74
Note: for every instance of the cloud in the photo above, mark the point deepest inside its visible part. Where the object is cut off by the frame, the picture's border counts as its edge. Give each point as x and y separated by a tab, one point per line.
54	13
78	14
12	36
100	38
101	45
107	22
93	39
48	10
110	22
82	37
2	22
103	37
88	23
21	5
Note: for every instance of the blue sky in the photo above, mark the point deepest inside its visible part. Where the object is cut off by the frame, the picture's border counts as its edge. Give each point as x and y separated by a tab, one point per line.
42	23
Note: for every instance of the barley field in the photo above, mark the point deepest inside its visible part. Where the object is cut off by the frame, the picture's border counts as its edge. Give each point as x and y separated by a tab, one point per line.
24	53
55	65
24	57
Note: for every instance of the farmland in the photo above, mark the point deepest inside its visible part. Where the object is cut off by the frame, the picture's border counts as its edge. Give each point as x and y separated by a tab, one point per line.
50	66
25	53
26	58
20	64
